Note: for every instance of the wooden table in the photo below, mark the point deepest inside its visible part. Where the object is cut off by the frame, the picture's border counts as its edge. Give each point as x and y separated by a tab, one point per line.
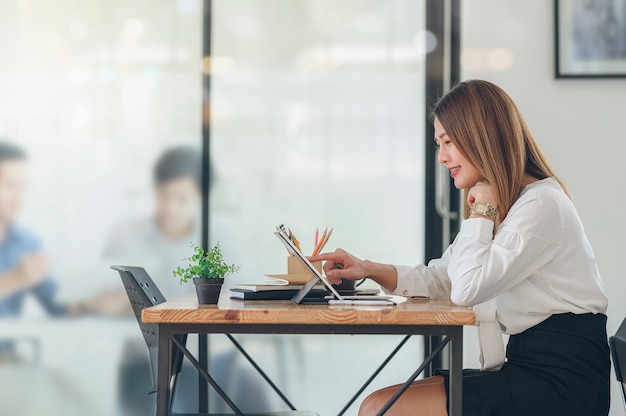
414	317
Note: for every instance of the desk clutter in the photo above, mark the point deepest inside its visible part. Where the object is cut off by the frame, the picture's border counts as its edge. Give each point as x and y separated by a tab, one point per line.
276	287
285	286
299	276
279	286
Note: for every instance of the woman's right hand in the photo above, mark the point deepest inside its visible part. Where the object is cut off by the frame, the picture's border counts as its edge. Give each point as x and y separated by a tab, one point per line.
342	265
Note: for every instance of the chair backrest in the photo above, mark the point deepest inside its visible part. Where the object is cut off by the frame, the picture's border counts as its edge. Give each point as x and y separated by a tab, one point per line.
617	343
142	293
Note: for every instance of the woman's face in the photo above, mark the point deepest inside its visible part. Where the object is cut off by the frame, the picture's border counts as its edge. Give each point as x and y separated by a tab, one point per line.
465	174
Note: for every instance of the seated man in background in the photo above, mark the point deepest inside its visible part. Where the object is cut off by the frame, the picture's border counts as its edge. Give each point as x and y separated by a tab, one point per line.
159	243
24	268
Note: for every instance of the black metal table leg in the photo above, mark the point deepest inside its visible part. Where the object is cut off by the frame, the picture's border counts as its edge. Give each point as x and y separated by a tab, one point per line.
203	387
456	372
452	335
163	372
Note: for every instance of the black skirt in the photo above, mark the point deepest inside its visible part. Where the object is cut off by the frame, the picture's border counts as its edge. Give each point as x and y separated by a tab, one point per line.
558	367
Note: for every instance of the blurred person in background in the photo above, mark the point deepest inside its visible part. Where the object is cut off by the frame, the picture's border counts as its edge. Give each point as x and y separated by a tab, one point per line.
24	268
159	243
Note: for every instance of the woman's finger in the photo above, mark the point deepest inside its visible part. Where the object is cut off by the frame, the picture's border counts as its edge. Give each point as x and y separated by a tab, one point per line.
325	257
339	274
329	265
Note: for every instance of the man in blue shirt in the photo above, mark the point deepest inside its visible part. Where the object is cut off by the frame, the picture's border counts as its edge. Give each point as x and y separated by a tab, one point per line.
23	270
23	266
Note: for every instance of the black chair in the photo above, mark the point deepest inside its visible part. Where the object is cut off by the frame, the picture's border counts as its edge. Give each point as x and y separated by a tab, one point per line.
617	343
143	293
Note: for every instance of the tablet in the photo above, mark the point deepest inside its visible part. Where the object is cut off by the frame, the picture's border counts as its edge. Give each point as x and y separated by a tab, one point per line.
318	276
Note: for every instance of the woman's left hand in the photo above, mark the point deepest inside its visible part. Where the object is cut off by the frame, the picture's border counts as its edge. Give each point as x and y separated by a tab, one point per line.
482	192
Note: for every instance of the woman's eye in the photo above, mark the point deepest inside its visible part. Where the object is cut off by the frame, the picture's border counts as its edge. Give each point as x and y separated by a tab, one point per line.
447	142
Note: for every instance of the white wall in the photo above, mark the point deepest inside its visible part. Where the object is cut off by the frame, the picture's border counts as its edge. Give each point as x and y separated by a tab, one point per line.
579	123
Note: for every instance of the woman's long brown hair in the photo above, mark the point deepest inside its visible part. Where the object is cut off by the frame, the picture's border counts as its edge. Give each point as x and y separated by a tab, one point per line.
488	129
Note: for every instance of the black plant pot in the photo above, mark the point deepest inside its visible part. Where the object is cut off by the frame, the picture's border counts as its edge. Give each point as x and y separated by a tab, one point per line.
208	290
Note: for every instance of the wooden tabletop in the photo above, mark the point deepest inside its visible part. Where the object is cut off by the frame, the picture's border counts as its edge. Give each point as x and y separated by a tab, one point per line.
185	310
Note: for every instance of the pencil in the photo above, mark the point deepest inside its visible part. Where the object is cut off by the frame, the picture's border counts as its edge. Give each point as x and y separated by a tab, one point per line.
318	247
326	240
293	238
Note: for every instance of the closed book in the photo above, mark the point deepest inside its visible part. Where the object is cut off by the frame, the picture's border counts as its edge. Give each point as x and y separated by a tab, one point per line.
272	288
246	294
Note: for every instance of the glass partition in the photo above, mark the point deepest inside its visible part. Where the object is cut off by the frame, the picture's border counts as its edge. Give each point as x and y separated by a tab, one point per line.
317	120
95	94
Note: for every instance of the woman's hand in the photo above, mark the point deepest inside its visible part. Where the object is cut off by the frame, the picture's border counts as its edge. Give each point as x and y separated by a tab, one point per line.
482	192
341	265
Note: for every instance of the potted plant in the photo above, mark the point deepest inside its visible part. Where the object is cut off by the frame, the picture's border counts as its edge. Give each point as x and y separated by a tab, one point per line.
207	270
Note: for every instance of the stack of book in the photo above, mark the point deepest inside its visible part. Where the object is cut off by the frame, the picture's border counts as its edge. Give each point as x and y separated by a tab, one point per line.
274	289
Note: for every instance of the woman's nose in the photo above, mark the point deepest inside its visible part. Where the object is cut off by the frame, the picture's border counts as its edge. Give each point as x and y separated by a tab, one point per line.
442	157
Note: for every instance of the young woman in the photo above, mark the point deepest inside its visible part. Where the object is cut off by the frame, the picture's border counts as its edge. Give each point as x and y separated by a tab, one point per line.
521	260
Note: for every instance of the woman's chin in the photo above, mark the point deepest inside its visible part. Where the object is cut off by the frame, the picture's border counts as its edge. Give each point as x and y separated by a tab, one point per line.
460	185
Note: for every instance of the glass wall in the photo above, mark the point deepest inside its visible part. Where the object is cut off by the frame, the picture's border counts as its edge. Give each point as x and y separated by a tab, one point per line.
317	120
93	92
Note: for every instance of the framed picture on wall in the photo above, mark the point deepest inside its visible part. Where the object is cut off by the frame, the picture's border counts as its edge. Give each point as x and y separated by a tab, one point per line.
590	38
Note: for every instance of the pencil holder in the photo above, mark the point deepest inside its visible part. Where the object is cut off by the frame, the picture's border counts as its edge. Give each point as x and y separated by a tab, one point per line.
295	267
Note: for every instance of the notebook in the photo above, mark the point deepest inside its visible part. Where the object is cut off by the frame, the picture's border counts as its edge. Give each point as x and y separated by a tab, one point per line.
245	294
336	298
273	283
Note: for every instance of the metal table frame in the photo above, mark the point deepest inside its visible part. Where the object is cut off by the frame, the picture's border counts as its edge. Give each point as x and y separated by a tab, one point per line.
452	335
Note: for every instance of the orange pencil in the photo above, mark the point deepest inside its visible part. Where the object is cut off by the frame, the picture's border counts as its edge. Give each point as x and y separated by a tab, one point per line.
326	240
318	248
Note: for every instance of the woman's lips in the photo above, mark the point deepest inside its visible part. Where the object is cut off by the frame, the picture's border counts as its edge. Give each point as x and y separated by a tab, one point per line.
455	171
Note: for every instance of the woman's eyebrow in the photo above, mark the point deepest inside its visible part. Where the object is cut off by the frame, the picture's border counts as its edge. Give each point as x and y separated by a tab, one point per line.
440	136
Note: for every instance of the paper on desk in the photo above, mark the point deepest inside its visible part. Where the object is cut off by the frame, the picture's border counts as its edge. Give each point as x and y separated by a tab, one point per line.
288	279
277	282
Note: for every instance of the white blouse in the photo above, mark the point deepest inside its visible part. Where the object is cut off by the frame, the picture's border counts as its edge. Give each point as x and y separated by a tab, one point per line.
538	264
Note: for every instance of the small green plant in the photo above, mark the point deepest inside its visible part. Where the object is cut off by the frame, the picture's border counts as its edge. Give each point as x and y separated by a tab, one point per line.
206	265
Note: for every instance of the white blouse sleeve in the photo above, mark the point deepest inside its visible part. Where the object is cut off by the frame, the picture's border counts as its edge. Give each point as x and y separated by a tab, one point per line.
482	267
425	280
